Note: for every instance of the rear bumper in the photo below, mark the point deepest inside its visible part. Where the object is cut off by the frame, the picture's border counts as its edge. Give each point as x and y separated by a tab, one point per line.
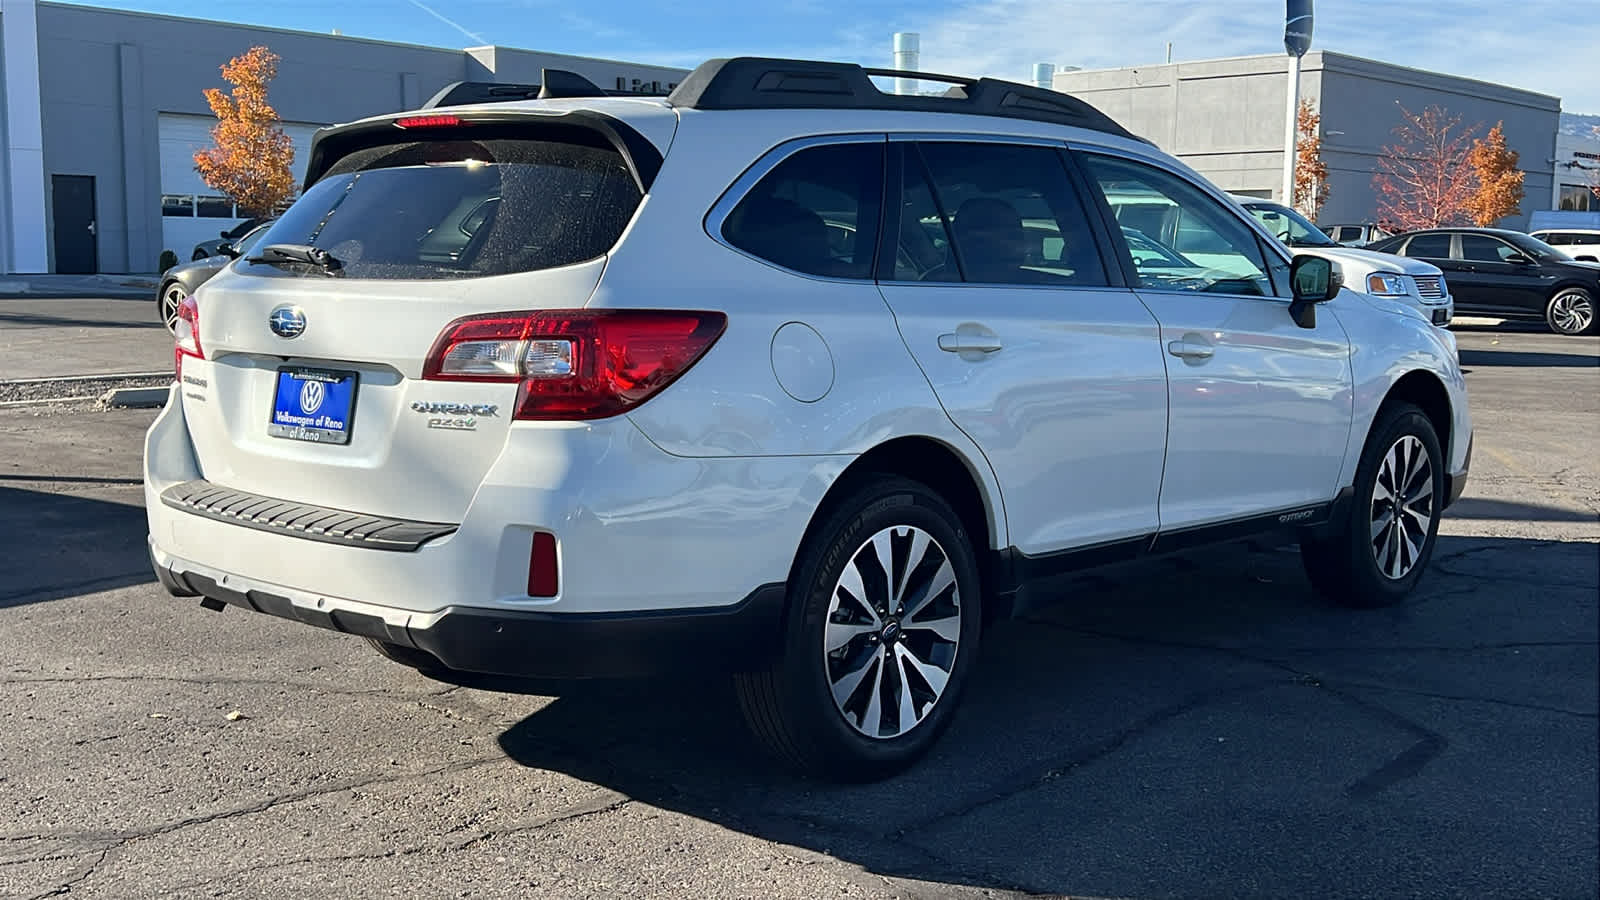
519	643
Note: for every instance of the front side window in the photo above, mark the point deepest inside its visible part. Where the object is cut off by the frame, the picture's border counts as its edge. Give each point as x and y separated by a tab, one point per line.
816	212
1222	253
464	208
1009	212
1429	246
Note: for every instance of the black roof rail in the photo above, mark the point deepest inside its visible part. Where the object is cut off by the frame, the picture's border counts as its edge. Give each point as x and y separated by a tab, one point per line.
761	83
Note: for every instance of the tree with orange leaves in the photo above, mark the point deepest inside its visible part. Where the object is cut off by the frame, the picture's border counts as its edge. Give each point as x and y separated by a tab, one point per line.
1424	180
1310	172
252	160
1499	190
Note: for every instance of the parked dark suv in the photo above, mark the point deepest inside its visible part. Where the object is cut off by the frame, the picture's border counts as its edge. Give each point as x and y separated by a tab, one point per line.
1507	274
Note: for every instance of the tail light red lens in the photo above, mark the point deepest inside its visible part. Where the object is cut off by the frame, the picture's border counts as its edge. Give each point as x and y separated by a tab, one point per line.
575	364
186	335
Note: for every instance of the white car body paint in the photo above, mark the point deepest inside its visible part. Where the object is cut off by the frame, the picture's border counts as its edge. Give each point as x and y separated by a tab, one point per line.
1083	428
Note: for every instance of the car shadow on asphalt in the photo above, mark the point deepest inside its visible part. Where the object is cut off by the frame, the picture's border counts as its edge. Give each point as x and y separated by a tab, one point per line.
36	320
64	545
1203	720
1517	358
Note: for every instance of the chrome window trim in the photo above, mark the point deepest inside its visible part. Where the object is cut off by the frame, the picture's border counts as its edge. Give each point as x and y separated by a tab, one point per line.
717	216
956	137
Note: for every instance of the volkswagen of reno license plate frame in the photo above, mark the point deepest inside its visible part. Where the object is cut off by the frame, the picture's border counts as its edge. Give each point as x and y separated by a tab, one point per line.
313	405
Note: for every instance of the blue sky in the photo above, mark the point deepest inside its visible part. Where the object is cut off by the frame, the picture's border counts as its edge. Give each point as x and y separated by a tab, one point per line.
1533	44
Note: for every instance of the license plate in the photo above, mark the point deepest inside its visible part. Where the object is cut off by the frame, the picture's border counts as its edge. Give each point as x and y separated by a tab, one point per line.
313	405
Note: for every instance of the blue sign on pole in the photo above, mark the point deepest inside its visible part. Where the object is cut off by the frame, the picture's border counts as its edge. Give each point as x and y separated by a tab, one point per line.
1297	28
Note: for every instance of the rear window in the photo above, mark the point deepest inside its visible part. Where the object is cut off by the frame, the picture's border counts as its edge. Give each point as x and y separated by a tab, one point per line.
443	209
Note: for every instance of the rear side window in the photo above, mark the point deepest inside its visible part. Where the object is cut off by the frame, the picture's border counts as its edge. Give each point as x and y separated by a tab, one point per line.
816	212
1429	246
443	209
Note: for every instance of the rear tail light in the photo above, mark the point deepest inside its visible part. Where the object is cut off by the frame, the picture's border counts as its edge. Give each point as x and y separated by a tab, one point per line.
575	364
186	335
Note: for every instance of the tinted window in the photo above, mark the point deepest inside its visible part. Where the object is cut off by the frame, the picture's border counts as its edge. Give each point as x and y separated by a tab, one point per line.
1553	238
815	212
924	252
1431	246
1012	215
1221	250
463	209
1479	248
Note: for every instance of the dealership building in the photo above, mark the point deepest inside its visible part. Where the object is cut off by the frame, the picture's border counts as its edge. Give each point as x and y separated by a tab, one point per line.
101	113
1226	119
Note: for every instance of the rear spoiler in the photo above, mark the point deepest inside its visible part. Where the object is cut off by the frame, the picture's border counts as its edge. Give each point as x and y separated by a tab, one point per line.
553	84
329	145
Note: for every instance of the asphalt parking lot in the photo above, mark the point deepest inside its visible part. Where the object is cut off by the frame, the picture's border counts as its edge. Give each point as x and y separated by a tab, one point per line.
1200	728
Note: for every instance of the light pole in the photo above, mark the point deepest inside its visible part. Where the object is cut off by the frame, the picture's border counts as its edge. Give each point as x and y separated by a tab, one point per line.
1296	40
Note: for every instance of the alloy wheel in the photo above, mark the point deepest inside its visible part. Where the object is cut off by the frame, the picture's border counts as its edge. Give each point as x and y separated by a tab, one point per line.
892	632
1402	508
1571	313
171	299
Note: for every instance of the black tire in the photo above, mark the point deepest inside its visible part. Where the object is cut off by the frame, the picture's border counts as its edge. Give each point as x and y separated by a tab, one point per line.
1347	566
171	294
1571	311
199	254
411	657
790	706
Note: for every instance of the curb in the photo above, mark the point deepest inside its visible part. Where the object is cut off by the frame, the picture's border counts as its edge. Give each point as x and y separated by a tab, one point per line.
135	398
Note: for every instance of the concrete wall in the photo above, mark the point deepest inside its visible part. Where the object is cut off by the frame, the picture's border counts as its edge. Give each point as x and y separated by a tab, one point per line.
1362	98
106	76
1225	118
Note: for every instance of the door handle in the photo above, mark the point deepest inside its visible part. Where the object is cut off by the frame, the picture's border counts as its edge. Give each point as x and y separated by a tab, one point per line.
969	343
91	228
1188	349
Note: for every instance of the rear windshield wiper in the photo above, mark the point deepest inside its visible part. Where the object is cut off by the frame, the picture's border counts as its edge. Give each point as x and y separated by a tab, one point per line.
277	254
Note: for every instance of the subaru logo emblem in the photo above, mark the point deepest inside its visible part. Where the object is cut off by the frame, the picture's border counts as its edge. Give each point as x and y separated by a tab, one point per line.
287	322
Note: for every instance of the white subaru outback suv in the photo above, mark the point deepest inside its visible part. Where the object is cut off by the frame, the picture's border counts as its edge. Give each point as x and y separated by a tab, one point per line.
781	375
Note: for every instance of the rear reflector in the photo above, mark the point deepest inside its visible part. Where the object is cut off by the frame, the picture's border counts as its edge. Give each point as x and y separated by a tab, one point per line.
575	364
428	121
543	579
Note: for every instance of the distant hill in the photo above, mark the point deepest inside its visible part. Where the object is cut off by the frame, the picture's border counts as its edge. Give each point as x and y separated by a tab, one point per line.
1577	125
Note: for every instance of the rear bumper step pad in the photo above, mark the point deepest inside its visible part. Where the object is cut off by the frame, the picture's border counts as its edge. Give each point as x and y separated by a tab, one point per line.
302	520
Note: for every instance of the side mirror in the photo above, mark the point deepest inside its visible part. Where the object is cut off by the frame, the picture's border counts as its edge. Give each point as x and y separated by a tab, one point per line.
1519	259
226	249
1313	282
1586	258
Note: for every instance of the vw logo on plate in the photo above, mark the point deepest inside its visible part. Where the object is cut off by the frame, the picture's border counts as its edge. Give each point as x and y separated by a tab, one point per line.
287	322
311	394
